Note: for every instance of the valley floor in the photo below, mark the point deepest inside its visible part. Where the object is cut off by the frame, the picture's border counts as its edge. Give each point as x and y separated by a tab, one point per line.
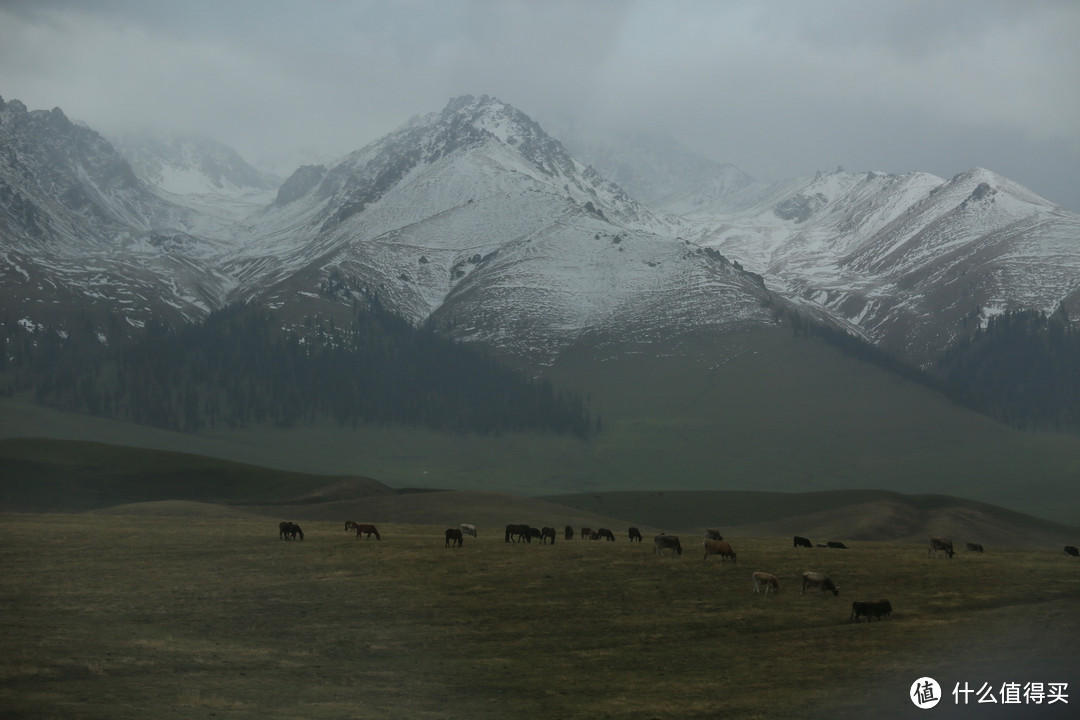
128	616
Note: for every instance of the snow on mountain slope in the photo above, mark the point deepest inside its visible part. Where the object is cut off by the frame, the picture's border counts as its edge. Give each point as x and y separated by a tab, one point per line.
910	259
78	229
475	219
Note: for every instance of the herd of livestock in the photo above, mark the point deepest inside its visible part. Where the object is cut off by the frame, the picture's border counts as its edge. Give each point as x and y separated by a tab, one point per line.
713	543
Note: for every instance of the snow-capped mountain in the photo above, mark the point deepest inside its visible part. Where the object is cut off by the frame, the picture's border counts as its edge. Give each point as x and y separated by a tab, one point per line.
79	231
913	260
477	220
472	217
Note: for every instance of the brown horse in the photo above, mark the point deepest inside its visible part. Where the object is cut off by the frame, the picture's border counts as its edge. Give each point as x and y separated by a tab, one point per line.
369	530
545	533
635	534
454	537
568	533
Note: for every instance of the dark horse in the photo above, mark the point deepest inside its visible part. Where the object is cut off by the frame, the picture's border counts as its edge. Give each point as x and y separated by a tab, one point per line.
454	537
369	530
520	532
606	534
635	534
289	531
568	533
545	533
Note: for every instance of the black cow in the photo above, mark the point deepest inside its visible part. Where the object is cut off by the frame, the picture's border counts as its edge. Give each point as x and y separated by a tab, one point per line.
836	544
871	610
799	541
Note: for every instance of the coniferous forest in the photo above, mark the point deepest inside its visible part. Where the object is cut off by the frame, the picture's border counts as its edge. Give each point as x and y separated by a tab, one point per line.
1023	369
240	367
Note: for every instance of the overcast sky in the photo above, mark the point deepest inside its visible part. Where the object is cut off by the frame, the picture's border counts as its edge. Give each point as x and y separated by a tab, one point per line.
781	89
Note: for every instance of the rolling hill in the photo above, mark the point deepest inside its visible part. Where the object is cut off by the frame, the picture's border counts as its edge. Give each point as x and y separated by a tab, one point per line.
61	476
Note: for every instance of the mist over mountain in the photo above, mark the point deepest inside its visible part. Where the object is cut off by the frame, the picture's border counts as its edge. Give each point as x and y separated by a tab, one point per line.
478	223
185	165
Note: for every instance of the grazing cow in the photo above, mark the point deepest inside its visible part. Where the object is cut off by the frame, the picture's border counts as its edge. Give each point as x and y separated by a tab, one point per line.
468	529
666	542
454	537
518	532
289	531
974	547
713	534
836	544
568	533
635	534
721	548
767	581
799	541
605	533
369	530
875	609
545	533
819	580
1072	550
940	544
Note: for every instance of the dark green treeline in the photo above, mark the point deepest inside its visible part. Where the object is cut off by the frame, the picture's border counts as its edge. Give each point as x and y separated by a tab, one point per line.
240	367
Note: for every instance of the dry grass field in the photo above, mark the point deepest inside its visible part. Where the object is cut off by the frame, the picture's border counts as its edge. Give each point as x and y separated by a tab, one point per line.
129	616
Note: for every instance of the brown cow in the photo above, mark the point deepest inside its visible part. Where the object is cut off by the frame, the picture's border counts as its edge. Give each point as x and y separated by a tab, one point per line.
721	548
766	580
940	544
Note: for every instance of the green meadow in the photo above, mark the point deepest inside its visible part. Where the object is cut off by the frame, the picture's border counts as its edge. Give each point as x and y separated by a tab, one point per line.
134	616
760	410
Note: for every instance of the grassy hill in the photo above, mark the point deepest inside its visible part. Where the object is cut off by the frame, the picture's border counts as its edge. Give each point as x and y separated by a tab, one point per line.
38	475
759	410
55	475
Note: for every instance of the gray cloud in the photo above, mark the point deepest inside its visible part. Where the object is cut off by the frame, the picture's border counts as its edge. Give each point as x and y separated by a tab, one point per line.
778	88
